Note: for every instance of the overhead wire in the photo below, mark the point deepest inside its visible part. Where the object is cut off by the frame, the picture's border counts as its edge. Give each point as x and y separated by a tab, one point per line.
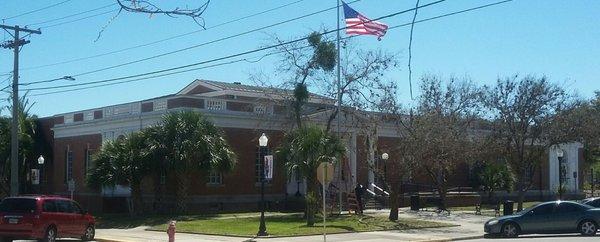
36	10
235	61
199	45
160	40
71	15
79	19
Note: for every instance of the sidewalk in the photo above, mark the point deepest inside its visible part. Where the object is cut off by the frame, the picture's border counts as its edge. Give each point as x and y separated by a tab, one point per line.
469	226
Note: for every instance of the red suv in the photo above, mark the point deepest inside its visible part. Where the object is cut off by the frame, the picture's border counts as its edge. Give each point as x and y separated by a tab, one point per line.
45	218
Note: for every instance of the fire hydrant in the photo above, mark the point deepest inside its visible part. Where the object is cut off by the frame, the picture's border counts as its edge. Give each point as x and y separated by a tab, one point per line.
171	231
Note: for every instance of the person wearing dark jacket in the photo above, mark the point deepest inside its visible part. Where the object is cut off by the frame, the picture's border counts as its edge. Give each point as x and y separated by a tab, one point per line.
359	190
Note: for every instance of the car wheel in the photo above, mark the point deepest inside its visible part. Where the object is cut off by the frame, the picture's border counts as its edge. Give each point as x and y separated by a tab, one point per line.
588	228
510	230
89	233
50	235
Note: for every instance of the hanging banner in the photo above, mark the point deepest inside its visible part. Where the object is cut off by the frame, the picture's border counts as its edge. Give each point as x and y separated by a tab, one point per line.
35	176
268	167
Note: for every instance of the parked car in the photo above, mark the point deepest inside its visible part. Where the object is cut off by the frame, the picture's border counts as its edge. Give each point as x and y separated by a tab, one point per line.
593	201
547	218
44	218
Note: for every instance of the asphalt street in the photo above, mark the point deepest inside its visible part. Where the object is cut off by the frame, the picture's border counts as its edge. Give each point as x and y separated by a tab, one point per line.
534	238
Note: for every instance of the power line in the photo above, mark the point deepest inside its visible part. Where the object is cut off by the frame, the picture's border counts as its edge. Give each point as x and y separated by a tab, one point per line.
160	40
71	15
79	19
202	44
231	62
37	10
212	60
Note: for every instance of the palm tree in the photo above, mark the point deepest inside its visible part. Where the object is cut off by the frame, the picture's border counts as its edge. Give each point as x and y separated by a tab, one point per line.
123	161
156	160
194	144
302	151
28	142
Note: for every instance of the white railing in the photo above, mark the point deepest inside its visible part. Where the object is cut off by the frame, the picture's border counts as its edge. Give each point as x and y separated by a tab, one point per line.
375	187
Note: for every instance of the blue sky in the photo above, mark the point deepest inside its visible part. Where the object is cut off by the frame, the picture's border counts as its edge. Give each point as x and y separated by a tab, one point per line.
556	38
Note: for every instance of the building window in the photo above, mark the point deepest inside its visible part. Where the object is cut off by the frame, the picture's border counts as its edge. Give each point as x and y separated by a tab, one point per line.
258	165
68	164
215	178
88	161
215	105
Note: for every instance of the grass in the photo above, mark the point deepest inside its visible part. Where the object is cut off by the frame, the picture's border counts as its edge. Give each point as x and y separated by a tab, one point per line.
277	224
294	224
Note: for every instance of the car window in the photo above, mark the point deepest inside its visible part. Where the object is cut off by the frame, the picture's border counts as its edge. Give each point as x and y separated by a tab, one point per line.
75	207
595	203
544	209
568	208
21	205
49	206
63	206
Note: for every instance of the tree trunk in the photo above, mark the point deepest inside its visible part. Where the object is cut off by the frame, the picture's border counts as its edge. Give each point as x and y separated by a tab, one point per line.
520	199
312	200
393	205
183	183
136	197
443	198
158	194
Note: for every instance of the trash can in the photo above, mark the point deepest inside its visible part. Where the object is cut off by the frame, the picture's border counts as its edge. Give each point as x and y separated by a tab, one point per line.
414	202
507	206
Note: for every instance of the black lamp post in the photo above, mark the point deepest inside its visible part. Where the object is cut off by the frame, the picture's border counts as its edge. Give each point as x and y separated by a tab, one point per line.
559	154
385	157
40	161
262	143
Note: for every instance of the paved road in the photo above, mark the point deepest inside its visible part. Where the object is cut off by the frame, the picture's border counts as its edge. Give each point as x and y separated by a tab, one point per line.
535	238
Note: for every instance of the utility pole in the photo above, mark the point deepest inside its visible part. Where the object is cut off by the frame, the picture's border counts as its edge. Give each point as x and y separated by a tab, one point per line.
14	142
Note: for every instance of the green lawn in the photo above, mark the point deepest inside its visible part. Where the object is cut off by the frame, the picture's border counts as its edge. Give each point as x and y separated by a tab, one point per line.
290	225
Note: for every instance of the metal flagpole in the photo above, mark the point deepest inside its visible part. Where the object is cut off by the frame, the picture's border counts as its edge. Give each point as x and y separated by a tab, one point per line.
339	105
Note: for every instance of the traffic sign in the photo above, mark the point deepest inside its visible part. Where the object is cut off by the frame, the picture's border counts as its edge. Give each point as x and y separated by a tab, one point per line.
325	173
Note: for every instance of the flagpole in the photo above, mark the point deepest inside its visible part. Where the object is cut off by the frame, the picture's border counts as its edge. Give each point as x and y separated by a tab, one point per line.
339	105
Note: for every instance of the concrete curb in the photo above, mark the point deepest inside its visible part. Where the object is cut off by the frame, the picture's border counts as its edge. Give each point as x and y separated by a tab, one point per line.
454	239
108	240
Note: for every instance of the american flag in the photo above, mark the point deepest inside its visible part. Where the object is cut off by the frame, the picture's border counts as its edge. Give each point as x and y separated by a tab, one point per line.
357	23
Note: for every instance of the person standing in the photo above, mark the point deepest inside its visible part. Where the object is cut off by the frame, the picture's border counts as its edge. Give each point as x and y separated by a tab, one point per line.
359	194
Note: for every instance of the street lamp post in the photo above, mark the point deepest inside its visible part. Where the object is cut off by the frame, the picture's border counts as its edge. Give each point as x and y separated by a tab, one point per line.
40	161
262	143
559	154
385	157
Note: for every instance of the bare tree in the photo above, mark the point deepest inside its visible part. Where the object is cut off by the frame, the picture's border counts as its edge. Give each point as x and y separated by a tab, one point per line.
438	132
147	7
522	111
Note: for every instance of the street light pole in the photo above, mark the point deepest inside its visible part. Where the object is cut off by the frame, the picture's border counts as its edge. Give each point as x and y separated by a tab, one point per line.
262	142
559	154
40	161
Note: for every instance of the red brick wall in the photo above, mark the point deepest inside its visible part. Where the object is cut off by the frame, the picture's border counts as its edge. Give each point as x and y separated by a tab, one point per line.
185	102
239	106
78	145
147	107
98	114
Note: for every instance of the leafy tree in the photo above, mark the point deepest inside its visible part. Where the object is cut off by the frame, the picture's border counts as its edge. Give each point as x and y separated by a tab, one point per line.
494	177
522	111
302	151
193	144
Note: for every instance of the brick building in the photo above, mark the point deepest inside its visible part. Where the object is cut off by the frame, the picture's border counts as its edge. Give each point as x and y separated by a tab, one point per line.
244	113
